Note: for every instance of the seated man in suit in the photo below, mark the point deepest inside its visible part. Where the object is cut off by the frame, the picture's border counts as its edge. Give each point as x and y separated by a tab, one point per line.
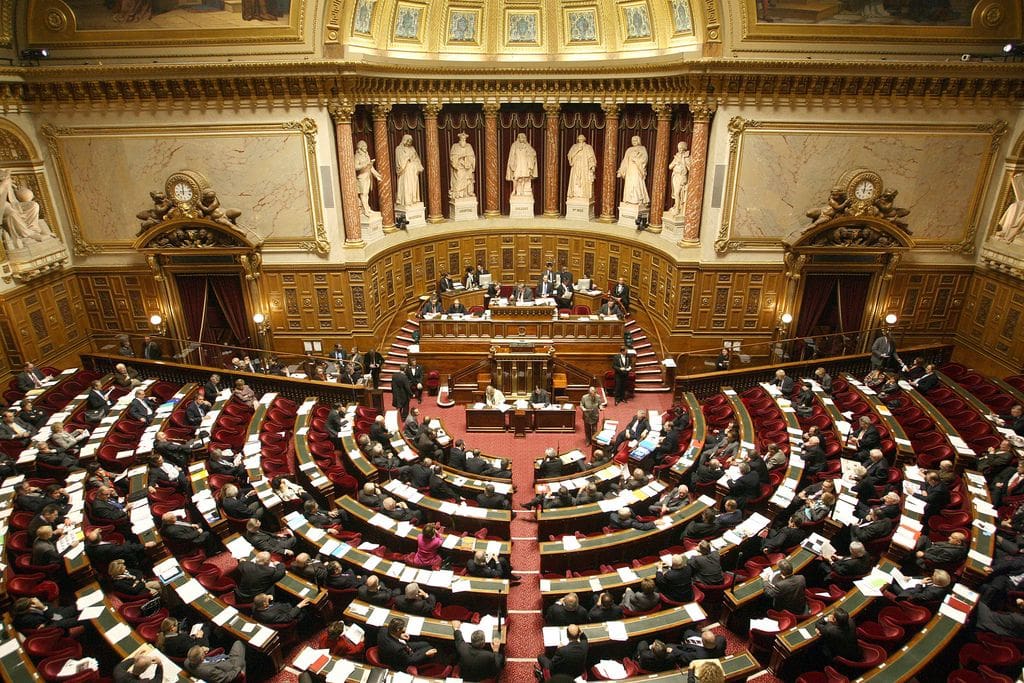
610	307
876	468
1009	483
267	611
864	438
786	590
334	423
107	509
373	592
491	499
675	580
784	382
928	381
457	308
411	426
730	516
197	410
218	669
228	463
400	511
54	457
13	429
873	527
164	474
44	548
702	645
563	295
97	399
932	589
569	660
646	599
623	519
397	651
282	544
31	378
784	538
132	668
566	611
746	487
414	600
1013	420
478	660
258	575
635	430
657	656
540	396
858	564
140	407
488	566
707	565
950	552
183	531
935	494
995	461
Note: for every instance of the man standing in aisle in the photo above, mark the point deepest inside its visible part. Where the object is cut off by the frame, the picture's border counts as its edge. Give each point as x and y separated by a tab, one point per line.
401	392
622	364
590	404
372	362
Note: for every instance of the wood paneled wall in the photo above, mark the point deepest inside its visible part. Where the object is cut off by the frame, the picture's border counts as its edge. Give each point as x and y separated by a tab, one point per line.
45	322
992	324
928	302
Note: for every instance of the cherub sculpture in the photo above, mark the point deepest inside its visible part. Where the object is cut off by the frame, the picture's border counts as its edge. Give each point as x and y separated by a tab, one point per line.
157	214
887	209
837	203
209	205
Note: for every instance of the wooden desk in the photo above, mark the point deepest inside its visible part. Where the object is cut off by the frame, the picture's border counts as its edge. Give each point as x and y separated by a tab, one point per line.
572	334
904	449
739	600
486	419
744	423
667	625
983	544
15	666
700	434
593	516
437	629
536	419
464	518
310	475
468	297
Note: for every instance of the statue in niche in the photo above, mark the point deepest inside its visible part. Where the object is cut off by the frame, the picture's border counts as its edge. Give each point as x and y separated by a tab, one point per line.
1011	223
522	167
463	163
209	206
19	215
837	203
408	168
582	165
633	170
365	173
680	168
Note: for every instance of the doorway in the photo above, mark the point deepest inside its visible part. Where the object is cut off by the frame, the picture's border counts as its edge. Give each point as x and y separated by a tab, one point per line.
213	311
831	313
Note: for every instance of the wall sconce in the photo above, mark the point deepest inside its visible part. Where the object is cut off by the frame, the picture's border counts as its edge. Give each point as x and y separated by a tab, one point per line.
786	319
891	319
262	324
159	327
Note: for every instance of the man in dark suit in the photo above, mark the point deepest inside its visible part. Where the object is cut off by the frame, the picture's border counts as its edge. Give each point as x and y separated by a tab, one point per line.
566	276
657	656
570	659
1008	624
928	381
372	363
140	409
876	468
411	426
605	609
151	349
212	387
445	283
858	564
874	527
622	364
415	601
397	651
623	519
30	378
883	353
551	466
13	429
1014	420
635	429
521	294
477	659
707	565
540	396
401	393
44	548
710	647
935	494
491	499
784	382
182	531
258	575
621	293
747	487
196	411
174	451
995	462
373	592
223	669
786	537
241	507
865	438
952	551
932	589
49	516
566	611
786	590
414	371
271	543
549	276
668	445
221	462
97	399
563	294
334	423
130	670
106	509
675	581
488	567
266	611
730	515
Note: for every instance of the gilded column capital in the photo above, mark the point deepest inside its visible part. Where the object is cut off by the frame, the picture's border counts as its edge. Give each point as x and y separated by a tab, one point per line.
552	107
341	112
611	109
663	111
381	110
702	112
491	108
432	109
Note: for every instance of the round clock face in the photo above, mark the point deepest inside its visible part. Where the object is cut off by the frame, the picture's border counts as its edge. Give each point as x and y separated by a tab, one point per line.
183	191
865	189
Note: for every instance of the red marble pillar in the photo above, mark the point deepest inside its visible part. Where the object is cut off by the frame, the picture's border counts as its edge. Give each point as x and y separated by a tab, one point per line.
664	112
434	212
383	153
698	165
492	175
610	163
350	211
552	110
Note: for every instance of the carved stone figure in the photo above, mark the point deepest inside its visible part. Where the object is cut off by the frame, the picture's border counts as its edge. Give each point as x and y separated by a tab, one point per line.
582	165
365	173
209	206
19	215
408	168
463	163
853	236
192	238
633	170
522	167
887	209
1011	223
837	203
680	168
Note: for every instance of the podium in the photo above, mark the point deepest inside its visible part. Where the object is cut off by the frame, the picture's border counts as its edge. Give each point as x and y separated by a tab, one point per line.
517	370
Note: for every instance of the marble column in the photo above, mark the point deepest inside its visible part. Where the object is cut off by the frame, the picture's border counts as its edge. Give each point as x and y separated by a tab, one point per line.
664	112
350	209
698	165
382	150
492	174
434	214
552	111
610	162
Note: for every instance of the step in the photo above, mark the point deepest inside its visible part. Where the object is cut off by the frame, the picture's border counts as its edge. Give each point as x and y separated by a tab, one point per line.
652	390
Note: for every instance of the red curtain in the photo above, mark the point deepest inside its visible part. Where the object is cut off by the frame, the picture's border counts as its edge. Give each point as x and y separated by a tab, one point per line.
819	292
853	297
514	119
455	119
586	120
227	292
192	295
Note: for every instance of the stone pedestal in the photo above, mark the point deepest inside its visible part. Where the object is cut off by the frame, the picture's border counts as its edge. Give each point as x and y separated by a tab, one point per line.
373	221
30	259
673	222
520	207
464	209
628	214
579	209
416	214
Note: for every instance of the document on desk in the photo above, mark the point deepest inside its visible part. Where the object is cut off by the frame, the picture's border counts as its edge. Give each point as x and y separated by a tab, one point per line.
617	631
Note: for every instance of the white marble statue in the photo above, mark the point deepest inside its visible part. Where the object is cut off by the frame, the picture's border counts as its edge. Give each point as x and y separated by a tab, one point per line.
365	173
463	163
408	168
582	166
633	170
522	167
1011	223
19	215
680	169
